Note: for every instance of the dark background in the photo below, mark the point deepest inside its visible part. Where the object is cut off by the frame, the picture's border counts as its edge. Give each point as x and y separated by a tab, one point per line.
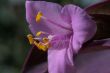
13	30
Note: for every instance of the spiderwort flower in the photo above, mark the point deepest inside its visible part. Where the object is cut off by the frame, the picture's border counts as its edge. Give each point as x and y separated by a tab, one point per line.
71	27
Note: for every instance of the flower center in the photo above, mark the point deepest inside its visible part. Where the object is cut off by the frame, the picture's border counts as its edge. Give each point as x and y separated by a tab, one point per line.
45	43
42	45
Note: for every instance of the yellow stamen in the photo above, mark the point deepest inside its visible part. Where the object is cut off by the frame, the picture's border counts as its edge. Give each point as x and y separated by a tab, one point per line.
39	33
36	43
45	40
38	16
41	46
30	38
48	45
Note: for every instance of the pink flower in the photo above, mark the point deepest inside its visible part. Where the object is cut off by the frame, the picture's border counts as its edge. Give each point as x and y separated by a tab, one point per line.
71	27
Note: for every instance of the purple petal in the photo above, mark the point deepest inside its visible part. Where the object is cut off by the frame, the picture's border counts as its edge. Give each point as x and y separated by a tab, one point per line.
58	62
83	30
83	26
60	56
51	11
88	61
94	58
93	62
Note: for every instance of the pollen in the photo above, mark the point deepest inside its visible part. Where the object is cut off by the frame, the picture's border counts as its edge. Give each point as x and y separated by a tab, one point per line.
45	40
30	38
39	33
38	16
41	46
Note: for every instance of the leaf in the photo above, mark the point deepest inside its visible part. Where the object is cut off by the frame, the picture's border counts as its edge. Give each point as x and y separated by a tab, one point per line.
34	58
101	14
103	26
99	8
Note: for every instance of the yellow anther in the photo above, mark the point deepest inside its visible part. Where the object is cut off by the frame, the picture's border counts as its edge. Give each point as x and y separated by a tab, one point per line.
39	33
36	43
30	38
48	45
41	46
38	16
45	40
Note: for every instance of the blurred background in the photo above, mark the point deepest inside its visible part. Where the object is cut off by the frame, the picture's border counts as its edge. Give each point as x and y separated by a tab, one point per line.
14	46
13	31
